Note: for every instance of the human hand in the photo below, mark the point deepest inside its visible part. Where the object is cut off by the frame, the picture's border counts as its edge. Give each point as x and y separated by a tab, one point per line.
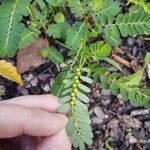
34	116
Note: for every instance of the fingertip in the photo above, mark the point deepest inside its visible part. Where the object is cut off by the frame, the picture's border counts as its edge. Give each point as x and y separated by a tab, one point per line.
62	117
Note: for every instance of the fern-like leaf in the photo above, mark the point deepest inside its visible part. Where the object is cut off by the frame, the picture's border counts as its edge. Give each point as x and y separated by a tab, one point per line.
10	26
77	8
73	99
121	86
108	8
75	36
128	24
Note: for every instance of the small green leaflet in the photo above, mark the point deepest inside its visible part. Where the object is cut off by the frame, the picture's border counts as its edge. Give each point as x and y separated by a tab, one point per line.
86	79
75	37
147	58
54	55
113	63
56	3
82	97
64	108
58	83
28	36
76	8
148	70
58	31
133	79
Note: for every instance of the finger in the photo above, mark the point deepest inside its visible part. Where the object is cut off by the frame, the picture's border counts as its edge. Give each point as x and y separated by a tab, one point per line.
59	141
16	120
45	102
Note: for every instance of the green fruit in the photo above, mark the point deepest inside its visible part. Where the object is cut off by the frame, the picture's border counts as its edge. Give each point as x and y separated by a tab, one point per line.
59	17
75	78
78	70
74	85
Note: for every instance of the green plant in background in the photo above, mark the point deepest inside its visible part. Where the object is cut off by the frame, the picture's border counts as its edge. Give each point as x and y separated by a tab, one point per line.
142	3
97	27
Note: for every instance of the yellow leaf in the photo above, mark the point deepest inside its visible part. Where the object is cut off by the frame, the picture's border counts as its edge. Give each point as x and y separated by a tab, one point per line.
9	71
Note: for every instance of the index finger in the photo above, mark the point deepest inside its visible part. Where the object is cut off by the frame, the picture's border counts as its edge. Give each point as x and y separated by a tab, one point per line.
45	102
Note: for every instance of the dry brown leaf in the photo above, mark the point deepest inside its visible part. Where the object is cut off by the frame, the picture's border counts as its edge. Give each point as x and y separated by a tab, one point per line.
9	71
30	56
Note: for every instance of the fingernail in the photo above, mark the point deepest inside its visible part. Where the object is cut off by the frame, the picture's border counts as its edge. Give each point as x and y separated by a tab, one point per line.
59	116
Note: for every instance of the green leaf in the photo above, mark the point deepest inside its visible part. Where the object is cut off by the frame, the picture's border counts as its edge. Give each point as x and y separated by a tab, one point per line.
147	58
41	3
124	93
81	105
81	145
112	36
115	88
64	108
86	79
74	37
28	36
104	82
133	79
108	8
96	5
84	88
76	8
58	83
100	50
148	70
56	3
113	63
132	95
58	31
65	99
10	25
55	56
67	91
82	97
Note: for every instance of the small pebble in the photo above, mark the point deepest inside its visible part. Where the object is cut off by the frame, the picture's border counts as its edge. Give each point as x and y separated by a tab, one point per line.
28	77
46	88
147	124
23	90
140	112
96	120
99	113
131	122
43	77
96	94
131	41
132	139
113	123
106	92
34	82
63	65
2	89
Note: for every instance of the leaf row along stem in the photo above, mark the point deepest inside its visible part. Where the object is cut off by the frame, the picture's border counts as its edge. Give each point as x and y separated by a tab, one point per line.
134	94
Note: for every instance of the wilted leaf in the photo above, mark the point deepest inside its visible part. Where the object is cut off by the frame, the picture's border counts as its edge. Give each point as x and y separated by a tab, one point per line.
30	56
9	71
